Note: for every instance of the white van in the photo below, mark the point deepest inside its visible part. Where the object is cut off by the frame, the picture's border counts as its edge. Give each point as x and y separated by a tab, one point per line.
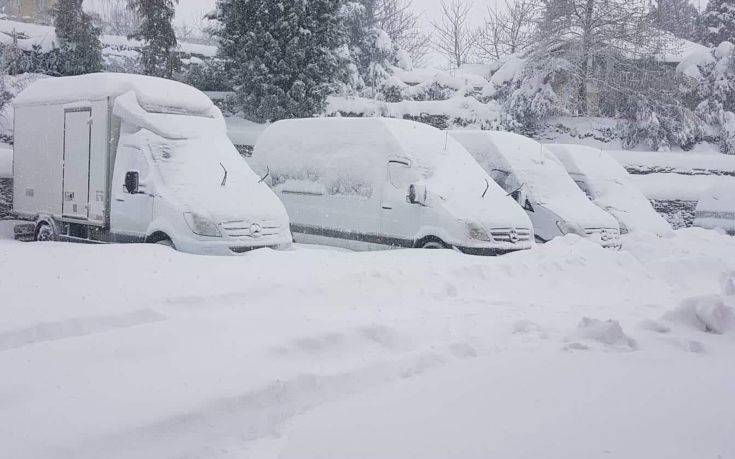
716	208
372	183
607	184
536	179
128	158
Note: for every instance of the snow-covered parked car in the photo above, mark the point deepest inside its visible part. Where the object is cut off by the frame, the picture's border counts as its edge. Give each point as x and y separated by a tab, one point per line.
372	183
716	208
128	158
607	184
537	180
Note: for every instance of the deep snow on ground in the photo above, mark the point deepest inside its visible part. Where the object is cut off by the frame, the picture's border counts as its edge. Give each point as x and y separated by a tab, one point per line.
564	351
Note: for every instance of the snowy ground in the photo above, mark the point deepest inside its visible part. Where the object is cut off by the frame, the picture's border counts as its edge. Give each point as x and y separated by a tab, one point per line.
139	351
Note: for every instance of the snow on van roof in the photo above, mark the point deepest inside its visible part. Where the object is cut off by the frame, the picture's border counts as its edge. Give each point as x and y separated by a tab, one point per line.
153	94
611	186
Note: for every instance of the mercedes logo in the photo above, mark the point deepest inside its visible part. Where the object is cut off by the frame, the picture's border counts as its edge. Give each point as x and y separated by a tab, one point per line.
256	230
513	236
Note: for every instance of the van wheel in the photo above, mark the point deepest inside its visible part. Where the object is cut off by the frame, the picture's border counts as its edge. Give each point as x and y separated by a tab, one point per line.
431	243
167	243
45	233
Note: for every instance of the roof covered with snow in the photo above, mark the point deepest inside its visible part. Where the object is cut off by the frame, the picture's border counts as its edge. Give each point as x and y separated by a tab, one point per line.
29	35
153	94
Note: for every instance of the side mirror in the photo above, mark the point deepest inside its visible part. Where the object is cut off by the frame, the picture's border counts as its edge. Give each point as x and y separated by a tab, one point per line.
132	182
417	194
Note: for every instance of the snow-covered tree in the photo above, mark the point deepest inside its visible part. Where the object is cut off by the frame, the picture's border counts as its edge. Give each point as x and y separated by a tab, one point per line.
80	50
282	53
710	90
718	22
158	54
679	17
591	34
454	35
369	49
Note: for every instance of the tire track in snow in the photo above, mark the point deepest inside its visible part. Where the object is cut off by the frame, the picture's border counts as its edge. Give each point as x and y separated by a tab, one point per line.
261	413
75	327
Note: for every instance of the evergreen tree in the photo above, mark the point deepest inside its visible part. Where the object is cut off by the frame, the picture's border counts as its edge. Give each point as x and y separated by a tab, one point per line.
283	53
370	49
158	54
80	50
718	22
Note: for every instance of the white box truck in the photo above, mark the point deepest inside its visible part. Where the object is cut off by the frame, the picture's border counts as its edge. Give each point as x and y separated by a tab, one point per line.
377	183
129	158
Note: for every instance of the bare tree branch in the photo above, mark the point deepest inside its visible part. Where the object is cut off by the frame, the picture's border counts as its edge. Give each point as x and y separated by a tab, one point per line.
454	36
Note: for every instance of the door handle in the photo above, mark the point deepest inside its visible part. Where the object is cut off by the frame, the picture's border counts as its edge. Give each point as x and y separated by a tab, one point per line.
387	207
119	200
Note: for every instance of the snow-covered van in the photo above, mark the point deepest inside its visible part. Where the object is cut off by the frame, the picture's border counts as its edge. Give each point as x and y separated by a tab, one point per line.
607	184
716	208
372	183
537	180
128	158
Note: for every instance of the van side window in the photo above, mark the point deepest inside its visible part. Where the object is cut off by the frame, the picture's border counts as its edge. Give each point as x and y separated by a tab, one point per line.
399	174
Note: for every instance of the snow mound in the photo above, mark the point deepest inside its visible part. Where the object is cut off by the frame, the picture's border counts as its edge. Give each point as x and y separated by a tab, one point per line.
707	313
607	332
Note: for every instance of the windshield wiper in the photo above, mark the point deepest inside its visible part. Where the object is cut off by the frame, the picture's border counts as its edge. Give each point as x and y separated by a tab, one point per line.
487	187
267	173
224	179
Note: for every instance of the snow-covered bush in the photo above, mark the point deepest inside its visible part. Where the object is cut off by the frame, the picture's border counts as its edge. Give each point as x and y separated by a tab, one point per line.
661	126
709	87
529	95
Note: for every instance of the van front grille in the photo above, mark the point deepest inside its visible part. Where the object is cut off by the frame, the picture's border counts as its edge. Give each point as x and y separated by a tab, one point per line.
512	235
251	229
606	234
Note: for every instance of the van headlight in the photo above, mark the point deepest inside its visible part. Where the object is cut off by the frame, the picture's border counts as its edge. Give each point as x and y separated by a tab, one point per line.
201	226
477	232
570	228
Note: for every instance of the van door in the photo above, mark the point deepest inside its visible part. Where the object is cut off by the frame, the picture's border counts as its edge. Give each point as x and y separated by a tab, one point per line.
400	220
77	141
131	213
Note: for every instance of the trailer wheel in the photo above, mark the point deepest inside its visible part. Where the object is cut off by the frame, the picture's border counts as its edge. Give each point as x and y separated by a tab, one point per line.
431	242
45	233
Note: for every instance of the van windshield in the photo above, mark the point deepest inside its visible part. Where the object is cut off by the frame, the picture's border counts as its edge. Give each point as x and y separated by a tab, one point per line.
199	163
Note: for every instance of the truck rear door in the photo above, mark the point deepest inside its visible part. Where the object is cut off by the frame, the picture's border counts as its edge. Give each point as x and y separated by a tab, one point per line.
77	132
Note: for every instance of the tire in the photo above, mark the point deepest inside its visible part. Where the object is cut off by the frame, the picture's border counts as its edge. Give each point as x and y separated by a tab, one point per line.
45	233
166	242
431	243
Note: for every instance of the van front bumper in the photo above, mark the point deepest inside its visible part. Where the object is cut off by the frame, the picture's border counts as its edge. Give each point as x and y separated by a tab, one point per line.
226	246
